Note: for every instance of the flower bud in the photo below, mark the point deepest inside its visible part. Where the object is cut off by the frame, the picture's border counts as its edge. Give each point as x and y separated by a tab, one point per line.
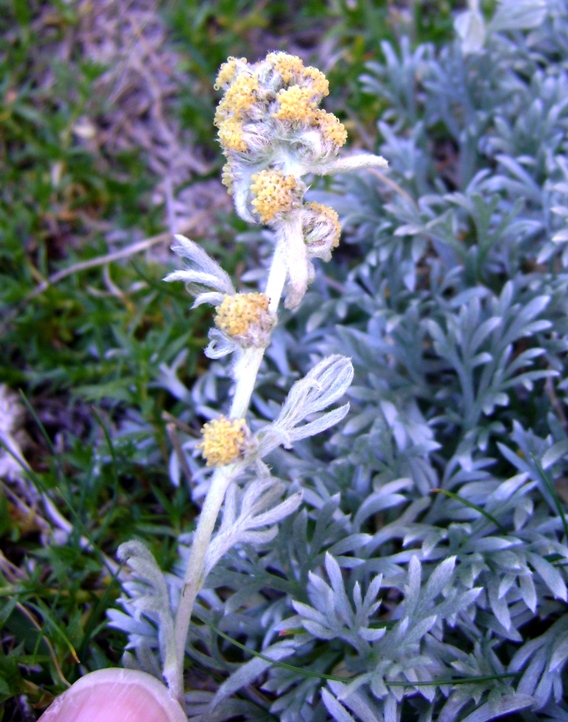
322	229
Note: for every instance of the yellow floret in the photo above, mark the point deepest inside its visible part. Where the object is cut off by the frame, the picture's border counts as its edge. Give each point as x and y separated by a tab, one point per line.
317	81
238	99
228	177
223	440
290	67
237	313
273	193
328	215
227	72
241	94
295	104
333	131
231	135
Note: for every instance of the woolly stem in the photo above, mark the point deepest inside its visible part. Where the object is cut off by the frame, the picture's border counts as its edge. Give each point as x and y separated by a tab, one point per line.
247	367
193	580
246	372
278	271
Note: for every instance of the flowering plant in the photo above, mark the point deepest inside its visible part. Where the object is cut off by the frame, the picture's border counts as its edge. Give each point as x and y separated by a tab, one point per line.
273	134
423	576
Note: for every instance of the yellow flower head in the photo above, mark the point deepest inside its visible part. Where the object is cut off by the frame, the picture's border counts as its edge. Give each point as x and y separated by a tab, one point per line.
228	72
236	314
239	98
332	129
289	66
231	134
316	80
232	111
295	104
274	193
223	440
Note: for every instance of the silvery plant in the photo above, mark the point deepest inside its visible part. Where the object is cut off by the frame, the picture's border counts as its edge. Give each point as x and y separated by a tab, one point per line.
273	134
423	574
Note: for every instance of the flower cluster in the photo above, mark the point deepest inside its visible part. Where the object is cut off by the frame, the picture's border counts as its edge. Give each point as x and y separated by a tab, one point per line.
273	132
270	103
269	119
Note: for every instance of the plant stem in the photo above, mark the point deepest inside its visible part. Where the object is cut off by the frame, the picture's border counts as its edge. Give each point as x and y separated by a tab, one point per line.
247	367
278	271
246	372
193	576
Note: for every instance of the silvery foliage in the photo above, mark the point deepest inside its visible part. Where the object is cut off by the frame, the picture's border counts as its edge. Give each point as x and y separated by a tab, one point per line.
424	576
472	30
147	617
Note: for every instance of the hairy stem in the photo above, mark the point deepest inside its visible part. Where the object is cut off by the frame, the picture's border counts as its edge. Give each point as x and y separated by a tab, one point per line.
246	373
193	580
246	369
